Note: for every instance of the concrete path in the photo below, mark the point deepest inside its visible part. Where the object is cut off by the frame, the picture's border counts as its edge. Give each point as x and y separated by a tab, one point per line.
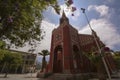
32	76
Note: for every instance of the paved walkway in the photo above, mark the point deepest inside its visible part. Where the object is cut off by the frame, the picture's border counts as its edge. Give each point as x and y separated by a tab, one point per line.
114	77
28	76
32	76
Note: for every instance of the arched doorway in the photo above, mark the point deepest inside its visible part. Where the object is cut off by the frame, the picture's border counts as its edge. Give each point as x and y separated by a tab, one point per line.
76	58
58	60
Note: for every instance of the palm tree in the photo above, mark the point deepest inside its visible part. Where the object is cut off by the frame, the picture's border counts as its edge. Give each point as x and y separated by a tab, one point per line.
44	53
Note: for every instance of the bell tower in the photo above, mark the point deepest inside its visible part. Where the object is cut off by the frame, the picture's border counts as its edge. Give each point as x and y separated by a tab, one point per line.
65	55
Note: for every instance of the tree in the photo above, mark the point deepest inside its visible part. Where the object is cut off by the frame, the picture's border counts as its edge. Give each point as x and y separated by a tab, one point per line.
2	44
9	59
96	59
116	57
69	5
20	20
44	53
17	61
1	55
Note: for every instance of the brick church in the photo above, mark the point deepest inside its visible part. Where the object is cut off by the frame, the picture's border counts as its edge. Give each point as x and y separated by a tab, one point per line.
69	49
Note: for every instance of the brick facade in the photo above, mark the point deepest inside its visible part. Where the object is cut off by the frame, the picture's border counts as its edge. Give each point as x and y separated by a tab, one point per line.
68	50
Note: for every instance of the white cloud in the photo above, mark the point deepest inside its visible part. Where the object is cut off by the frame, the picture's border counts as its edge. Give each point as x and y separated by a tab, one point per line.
46	42
76	15
102	9
68	11
64	8
110	1
105	30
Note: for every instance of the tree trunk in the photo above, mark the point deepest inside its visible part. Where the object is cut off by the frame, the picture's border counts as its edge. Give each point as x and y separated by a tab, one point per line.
6	73
16	69
6	70
43	64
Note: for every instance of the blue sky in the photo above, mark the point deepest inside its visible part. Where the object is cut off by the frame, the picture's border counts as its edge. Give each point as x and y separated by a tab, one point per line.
104	17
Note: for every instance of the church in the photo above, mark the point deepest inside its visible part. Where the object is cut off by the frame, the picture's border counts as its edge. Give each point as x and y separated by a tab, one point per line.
69	50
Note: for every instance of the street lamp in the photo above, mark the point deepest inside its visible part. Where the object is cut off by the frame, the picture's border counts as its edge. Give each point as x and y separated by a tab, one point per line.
98	46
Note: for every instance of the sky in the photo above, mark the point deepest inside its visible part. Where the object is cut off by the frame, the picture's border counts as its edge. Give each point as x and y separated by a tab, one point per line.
103	15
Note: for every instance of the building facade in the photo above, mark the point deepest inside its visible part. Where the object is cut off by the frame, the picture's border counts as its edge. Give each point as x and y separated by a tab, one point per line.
69	49
28	64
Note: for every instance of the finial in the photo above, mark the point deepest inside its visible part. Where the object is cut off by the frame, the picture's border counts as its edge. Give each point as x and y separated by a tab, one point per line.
63	14
64	18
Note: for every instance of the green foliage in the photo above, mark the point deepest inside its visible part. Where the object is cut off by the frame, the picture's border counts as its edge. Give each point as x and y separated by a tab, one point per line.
10	58
20	20
117	61
95	58
2	52
44	52
116	57
2	45
117	53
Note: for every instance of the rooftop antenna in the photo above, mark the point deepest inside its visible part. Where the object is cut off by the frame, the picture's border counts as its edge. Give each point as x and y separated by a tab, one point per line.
98	46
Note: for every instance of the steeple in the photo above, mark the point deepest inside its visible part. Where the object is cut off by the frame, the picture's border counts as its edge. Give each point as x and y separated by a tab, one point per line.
63	14
64	19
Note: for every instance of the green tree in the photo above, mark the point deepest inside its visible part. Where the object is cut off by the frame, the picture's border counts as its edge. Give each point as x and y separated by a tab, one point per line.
9	59
2	52
16	62
116	57
44	53
2	44
20	20
1	47
96	59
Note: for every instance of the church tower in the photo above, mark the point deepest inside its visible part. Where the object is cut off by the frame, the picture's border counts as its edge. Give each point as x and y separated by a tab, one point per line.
65	53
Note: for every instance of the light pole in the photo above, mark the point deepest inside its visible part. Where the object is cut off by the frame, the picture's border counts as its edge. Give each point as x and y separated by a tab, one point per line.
98	46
